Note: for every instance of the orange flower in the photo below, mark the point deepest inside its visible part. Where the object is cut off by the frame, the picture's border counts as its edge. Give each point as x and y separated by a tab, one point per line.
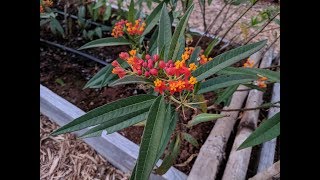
248	64
204	59
187	53
261	82
192	66
117	30
193	80
119	71
160	86
137	28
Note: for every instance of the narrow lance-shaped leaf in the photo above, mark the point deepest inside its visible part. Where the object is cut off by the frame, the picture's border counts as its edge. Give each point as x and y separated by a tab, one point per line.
190	139
164	34
195	55
130	79
224	81
169	160
153	45
151	139
108	112
131	12
153	19
109	41
169	127
117	124
271	75
268	130
227	59
204	117
210	47
227	94
179	31
180	48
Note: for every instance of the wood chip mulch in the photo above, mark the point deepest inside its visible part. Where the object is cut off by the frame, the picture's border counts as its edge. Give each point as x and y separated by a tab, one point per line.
65	157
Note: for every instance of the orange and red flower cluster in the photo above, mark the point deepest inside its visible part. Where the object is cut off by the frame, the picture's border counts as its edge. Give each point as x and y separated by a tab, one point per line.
261	82
248	64
170	76
187	54
132	29
45	3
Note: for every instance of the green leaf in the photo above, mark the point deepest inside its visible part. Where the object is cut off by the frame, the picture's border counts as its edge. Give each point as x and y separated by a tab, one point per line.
117	124
272	76
131	12
108	112
165	33
227	94
109	41
44	21
224	81
153	42
204	117
169	160
238	2
56	25
190	139
226	59
209	2
181	46
98	4
268	130
153	19
179	31
98	32
210	47
103	77
130	79
171	120
107	13
151	139
195	55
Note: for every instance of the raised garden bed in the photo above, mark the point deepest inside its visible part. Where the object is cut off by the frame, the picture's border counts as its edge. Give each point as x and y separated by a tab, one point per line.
66	74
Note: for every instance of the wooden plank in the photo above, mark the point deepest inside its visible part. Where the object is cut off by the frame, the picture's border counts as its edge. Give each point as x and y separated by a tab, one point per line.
212	152
268	148
273	172
118	150
237	165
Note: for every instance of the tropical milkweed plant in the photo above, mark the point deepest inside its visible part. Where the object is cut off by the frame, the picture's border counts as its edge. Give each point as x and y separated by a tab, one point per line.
176	76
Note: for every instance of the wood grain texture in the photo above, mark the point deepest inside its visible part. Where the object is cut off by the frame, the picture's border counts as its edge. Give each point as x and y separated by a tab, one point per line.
237	165
118	150
273	172
268	148
212	152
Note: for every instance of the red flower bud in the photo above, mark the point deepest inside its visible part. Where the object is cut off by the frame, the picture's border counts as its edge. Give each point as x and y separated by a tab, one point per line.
139	72
147	74
156	57
162	64
148	57
124	55
154	72
150	65
145	64
115	63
